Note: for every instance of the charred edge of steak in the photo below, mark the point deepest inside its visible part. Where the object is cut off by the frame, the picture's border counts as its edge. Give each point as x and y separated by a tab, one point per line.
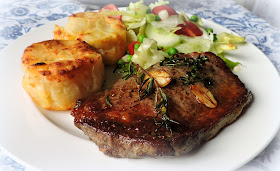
116	129
125	147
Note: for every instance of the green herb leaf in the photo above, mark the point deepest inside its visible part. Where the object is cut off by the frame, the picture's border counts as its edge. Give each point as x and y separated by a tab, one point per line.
134	69
108	100
193	75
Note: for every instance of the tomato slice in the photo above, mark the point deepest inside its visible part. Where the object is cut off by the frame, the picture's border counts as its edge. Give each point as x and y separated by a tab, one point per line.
189	29
170	10
111	7
131	47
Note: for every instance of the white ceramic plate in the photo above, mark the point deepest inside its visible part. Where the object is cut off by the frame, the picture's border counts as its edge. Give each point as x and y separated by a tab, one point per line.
49	140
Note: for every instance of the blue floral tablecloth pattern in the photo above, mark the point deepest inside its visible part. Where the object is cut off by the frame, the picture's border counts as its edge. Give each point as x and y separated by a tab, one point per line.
257	31
240	20
19	17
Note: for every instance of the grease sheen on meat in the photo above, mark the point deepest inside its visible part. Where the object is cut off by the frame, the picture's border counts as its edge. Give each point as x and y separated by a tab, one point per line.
127	129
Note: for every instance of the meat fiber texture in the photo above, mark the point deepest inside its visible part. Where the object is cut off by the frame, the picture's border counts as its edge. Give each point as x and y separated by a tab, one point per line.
127	128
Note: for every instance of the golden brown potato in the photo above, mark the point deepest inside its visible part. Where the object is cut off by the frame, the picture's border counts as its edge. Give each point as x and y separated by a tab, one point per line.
58	72
105	33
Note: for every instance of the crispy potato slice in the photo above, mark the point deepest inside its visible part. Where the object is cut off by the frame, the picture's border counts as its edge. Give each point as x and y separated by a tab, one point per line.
59	72
105	33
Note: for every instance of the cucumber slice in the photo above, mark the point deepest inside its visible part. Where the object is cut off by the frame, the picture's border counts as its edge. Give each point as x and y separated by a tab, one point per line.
164	38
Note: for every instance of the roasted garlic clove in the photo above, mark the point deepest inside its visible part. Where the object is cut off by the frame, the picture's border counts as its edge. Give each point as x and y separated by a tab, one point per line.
204	96
162	77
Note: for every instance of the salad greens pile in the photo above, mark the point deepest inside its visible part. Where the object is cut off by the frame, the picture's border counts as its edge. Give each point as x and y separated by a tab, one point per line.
161	34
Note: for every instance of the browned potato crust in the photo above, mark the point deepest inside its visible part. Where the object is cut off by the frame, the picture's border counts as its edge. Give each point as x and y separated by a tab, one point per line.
58	72
106	34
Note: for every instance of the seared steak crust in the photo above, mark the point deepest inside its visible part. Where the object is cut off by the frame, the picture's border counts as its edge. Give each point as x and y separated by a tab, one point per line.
127	129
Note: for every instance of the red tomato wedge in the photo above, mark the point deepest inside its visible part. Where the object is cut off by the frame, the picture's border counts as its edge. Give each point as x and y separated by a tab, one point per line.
111	7
131	47
170	10
190	29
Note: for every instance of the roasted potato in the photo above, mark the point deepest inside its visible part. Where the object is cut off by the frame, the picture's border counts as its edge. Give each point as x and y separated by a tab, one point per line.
58	72
105	33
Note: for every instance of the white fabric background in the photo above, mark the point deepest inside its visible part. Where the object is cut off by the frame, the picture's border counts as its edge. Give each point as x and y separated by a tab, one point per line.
266	9
255	30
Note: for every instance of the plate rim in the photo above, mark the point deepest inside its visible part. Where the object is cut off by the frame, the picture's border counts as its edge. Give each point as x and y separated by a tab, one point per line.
58	21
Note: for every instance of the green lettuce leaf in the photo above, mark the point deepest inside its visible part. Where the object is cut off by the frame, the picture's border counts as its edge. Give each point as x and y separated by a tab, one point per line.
193	44
158	3
229	38
147	54
139	8
229	63
164	38
130	37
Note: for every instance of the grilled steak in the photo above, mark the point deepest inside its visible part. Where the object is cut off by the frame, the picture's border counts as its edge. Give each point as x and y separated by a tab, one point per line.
127	128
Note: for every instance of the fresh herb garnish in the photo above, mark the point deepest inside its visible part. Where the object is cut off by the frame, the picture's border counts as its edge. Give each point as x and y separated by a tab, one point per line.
146	87
180	60
162	109
147	90
193	75
108	100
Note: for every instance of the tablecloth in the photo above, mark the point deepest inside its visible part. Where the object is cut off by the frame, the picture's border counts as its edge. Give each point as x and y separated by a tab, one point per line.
18	17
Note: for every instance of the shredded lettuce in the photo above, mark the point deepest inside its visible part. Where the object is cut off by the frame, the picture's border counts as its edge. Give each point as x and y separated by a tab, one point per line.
139	11
229	38
130	37
168	24
150	17
221	47
134	17
127	16
193	44
205	35
130	19
229	63
225	42
184	16
142	30
135	24
139	8
161	34
147	54
165	39
199	22
158	3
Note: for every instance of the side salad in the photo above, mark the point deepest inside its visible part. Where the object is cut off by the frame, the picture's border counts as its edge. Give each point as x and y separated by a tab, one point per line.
157	31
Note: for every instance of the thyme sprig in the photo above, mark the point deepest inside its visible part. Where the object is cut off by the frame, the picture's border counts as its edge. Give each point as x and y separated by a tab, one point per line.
180	60
145	89
193	75
162	108
127	67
